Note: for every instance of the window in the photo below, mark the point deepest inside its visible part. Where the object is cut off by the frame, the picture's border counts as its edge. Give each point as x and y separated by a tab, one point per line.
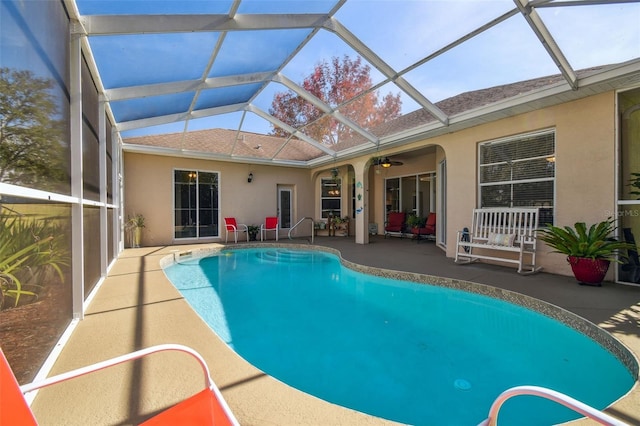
330	199
519	172
392	195
195	204
413	194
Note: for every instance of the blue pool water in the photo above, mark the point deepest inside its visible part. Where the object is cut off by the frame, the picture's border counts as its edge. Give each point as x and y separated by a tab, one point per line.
413	353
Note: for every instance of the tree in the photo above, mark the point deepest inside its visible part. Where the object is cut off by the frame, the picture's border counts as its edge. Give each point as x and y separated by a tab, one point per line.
335	83
31	148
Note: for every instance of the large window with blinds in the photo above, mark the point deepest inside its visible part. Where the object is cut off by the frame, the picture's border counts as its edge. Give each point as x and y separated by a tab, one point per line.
519	172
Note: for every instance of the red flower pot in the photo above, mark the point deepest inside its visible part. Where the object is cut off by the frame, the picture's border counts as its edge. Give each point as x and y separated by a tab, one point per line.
587	270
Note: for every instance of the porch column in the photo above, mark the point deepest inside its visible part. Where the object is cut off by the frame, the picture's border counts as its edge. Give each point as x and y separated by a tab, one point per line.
361	169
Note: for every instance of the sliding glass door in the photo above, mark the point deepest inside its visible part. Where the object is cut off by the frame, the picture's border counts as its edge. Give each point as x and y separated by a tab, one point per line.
195	204
413	195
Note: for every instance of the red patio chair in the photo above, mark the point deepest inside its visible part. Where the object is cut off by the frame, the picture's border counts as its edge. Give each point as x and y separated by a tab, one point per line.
270	224
232	225
428	230
395	223
206	407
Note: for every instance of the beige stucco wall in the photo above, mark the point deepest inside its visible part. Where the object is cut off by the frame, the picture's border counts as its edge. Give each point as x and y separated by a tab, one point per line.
585	167
148	190
585	176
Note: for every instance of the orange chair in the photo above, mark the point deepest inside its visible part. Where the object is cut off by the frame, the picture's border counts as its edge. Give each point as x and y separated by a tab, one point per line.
270	224
206	407
395	223
232	225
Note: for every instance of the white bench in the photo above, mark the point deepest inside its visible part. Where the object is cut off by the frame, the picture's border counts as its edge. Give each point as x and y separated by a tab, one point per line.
496	230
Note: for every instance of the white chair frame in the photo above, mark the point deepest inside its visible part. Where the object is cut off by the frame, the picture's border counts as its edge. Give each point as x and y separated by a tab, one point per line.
264	229
239	228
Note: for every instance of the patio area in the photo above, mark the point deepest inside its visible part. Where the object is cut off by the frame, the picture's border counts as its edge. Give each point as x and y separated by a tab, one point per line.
137	307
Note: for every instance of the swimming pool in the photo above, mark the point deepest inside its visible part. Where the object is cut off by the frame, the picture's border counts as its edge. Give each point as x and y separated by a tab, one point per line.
408	352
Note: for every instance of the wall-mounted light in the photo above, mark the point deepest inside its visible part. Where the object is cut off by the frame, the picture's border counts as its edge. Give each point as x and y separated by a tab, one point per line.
250	177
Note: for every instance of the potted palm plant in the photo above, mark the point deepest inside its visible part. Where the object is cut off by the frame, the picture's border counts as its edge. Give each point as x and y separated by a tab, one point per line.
415	221
589	250
136	224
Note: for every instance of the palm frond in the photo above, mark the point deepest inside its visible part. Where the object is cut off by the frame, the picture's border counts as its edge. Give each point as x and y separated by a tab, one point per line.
595	241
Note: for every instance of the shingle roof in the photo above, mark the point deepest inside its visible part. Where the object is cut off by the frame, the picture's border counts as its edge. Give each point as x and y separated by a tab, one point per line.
462	103
223	142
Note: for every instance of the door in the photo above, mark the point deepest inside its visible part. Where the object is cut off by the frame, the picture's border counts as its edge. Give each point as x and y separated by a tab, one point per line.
285	196
195	204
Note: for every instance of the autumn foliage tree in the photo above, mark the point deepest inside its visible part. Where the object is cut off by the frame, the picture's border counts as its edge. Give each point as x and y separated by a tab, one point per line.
335	83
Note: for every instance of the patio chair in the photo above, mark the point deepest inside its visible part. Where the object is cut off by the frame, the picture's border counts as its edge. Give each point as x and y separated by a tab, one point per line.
232	225
206	407
428	230
270	224
395	223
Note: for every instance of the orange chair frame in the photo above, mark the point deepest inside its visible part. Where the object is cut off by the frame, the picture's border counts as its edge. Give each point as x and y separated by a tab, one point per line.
206	407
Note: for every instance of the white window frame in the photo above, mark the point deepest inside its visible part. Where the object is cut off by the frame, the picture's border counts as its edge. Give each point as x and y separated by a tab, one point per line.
333	182
196	177
549	157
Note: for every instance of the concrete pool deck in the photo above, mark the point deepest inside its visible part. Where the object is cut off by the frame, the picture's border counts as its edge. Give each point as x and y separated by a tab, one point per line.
137	306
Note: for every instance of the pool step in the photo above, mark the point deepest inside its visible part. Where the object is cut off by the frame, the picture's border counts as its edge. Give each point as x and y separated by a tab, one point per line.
289	256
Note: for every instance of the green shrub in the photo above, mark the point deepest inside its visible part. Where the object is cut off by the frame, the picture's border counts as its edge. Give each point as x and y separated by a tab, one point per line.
29	250
414	221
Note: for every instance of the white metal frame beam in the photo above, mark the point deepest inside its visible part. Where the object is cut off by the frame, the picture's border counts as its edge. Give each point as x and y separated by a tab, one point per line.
148	24
143	91
540	29
341	31
181	116
77	214
293	131
309	97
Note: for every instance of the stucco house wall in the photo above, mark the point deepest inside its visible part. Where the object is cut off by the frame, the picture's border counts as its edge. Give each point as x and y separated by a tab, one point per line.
585	176
148	182
585	167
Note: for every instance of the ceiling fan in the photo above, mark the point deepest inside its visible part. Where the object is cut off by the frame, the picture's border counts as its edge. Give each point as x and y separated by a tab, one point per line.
386	162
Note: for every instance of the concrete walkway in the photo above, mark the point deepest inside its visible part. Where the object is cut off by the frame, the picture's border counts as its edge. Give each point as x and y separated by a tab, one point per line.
138	307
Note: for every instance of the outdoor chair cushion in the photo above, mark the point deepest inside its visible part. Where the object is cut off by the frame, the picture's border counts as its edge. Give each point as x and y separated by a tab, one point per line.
429	227
395	222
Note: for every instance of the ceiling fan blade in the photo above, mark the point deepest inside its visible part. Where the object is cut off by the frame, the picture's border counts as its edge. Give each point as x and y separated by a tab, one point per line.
386	162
